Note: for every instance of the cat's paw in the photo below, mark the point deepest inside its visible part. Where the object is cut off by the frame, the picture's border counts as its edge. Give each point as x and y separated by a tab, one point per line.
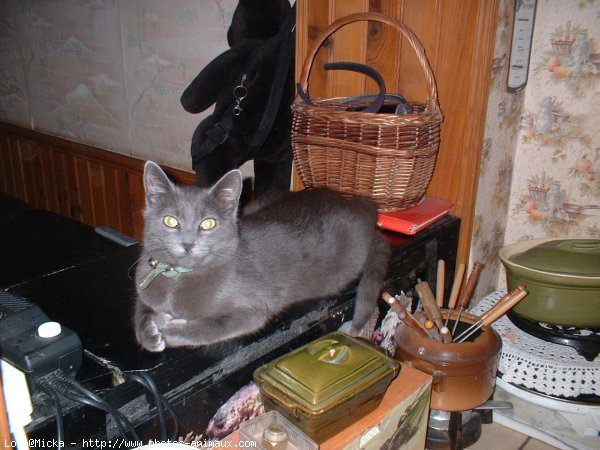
151	338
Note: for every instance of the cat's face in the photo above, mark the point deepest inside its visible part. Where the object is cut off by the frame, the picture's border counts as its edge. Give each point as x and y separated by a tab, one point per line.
191	226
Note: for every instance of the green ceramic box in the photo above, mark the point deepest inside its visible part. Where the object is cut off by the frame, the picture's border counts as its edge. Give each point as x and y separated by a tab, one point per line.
327	384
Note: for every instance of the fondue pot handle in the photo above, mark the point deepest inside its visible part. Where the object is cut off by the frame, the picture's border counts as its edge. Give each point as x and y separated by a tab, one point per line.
437	377
437	381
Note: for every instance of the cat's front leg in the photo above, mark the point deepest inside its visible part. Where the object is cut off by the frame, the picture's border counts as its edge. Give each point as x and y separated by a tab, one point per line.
147	328
206	331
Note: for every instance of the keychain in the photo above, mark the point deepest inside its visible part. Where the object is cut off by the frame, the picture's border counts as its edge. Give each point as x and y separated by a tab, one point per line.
239	93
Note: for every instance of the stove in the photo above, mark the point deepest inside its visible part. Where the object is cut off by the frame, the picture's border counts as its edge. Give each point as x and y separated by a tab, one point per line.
551	375
585	341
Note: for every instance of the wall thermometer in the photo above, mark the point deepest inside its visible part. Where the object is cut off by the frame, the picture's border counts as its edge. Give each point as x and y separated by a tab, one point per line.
520	50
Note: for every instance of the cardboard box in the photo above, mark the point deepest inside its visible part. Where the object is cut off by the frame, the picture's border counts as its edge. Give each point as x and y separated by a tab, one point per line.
400	421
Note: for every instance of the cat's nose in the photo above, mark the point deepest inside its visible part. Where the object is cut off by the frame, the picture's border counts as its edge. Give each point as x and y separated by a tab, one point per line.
187	246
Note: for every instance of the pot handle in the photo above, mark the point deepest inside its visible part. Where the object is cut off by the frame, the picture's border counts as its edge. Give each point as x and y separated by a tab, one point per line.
589	246
437	382
437	377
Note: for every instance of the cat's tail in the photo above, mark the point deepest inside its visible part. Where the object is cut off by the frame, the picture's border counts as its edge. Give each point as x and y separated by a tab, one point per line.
371	282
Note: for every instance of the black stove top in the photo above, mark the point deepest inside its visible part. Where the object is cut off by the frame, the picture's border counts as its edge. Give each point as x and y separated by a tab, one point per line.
586	341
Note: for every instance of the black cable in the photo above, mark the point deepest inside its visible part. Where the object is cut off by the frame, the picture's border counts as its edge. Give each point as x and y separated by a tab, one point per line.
161	413
116	414
166	404
148	382
71	389
57	411
58	382
102	406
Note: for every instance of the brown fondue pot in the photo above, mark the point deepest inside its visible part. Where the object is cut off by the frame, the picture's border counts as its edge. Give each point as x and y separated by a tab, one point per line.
464	374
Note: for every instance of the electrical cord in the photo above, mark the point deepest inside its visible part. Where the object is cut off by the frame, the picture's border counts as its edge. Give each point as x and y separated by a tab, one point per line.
58	383
148	382
118	417
57	412
101	406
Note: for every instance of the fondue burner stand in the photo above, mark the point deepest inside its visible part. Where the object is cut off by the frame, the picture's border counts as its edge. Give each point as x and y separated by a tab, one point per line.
453	430
457	430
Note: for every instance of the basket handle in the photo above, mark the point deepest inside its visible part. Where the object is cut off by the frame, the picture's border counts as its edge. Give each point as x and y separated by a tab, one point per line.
432	101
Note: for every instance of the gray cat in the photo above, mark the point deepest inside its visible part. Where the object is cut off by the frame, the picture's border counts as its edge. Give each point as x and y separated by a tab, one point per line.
208	275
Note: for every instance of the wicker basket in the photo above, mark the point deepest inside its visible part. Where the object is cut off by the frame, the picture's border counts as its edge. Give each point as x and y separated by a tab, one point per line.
387	157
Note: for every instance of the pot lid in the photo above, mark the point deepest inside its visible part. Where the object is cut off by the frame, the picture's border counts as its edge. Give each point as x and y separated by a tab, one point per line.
566	256
321	374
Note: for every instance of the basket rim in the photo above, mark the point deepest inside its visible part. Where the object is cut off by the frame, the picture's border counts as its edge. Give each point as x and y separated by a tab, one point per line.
427	116
432	103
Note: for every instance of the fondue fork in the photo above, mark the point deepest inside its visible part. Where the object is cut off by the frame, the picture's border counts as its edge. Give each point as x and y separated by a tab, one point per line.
496	311
520	287
404	315
456	285
432	309
439	283
466	295
429	326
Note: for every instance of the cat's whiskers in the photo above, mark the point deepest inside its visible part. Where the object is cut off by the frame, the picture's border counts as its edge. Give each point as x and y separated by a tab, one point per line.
135	263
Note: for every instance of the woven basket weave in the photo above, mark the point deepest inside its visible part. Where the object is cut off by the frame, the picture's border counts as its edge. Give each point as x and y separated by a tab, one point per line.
387	157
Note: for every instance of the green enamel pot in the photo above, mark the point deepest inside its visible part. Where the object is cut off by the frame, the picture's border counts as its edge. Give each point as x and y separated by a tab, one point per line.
562	276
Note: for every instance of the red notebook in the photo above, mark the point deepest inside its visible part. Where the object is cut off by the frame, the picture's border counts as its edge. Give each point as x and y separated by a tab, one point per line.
414	219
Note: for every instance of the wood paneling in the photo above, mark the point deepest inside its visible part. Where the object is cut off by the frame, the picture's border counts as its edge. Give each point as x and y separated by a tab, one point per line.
458	37
94	186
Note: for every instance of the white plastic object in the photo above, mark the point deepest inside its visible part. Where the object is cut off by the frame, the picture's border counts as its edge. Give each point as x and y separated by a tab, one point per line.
18	403
49	330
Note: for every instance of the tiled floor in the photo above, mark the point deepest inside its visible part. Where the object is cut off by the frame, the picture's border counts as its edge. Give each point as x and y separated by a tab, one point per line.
498	437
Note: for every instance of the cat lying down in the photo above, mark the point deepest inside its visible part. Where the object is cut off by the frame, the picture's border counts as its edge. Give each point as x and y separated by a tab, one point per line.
208	274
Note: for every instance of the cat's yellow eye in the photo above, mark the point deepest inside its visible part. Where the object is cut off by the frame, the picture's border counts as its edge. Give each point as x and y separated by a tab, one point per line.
208	224
170	221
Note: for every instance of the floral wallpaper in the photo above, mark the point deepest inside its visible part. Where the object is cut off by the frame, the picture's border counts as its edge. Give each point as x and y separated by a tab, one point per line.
540	167
109	73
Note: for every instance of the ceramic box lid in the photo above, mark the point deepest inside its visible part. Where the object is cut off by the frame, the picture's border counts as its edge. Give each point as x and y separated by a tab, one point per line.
325	372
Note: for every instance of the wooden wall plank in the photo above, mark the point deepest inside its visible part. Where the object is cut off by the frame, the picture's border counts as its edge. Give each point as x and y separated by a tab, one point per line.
61	184
113	216
7	180
423	19
341	82
97	190
15	168
137	198
69	163
383	46
82	178
81	182
305	37
48	180
32	174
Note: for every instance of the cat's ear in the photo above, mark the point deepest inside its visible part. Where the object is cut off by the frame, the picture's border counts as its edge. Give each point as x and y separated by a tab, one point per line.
156	182
228	190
